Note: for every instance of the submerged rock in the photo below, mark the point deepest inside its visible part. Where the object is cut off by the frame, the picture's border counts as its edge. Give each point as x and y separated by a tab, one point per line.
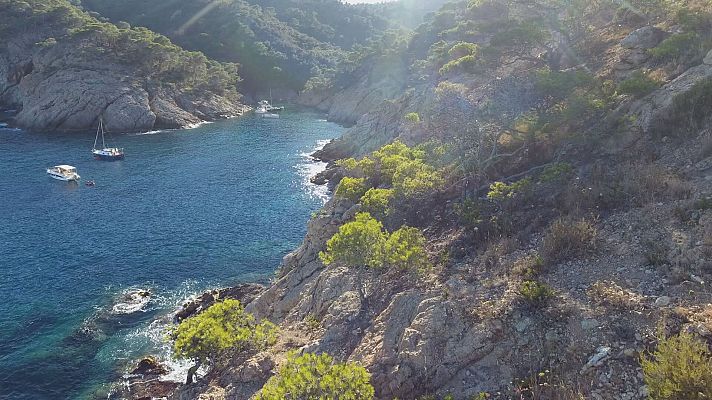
131	301
149	366
145	382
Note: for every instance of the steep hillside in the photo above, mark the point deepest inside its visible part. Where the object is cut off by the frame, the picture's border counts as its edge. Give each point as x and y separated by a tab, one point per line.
279	44
63	69
528	217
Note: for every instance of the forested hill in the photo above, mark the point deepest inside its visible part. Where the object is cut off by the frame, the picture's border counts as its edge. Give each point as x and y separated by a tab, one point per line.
62	68
278	43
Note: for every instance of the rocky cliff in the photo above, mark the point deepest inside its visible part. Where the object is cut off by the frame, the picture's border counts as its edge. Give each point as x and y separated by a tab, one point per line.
70	69
579	232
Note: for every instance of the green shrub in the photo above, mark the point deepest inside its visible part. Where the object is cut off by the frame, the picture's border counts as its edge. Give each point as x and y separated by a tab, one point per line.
555	172
462	49
312	376
535	292
223	326
523	34
566	239
501	191
351	188
468	212
412	117
414	178
363	242
677	46
529	266
560	84
377	202
358	243
638	84
464	64
680	368
405	249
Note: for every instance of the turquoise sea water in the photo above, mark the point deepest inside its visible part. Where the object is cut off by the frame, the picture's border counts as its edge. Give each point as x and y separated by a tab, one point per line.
187	210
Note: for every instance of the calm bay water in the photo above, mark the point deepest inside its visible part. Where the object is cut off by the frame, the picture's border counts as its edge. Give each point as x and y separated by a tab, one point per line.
187	210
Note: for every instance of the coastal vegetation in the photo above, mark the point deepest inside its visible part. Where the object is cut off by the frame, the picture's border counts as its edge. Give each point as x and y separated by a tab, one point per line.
679	368
317	376
363	242
535	175
65	26
278	43
218	332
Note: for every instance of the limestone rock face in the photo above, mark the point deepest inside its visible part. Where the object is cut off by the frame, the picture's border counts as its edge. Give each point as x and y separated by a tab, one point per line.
131	112
657	109
708	58
382	80
61	89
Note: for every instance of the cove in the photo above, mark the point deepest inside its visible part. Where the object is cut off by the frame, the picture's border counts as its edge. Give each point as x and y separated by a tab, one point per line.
186	211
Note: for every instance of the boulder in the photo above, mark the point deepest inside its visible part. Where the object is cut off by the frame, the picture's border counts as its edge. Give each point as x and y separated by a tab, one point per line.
646	37
149	366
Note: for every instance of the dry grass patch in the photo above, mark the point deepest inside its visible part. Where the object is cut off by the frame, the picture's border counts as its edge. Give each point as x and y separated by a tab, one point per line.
567	239
610	294
646	183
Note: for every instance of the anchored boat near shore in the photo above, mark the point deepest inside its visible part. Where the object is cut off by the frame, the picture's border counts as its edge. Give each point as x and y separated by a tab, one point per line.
105	153
63	172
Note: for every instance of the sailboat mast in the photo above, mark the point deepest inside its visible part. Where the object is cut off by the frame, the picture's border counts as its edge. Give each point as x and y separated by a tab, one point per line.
97	133
101	123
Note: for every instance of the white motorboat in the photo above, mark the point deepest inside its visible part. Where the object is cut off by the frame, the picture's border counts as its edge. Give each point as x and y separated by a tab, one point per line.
270	115
63	173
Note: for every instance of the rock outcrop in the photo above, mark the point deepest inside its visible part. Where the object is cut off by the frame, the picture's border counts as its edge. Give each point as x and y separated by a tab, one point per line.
384	79
60	80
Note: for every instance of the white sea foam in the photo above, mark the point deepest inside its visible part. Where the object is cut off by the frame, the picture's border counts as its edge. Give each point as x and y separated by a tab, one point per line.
152	339
308	168
191	126
131	301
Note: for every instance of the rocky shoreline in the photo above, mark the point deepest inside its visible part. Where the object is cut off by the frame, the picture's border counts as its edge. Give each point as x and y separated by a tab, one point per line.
148	377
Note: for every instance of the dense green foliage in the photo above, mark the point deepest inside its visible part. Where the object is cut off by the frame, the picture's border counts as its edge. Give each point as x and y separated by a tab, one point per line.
358	243
377	202
680	368
535	292
223	326
363	242
65	28
690	45
278	43
405	249
351	188
638	84
317	376
406	170
501	190
270	51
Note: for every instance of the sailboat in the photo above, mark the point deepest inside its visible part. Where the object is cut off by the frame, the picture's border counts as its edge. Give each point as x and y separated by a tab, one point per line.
105	153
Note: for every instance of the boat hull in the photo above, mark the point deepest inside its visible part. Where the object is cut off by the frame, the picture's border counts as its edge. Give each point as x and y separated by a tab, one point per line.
106	157
64	178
